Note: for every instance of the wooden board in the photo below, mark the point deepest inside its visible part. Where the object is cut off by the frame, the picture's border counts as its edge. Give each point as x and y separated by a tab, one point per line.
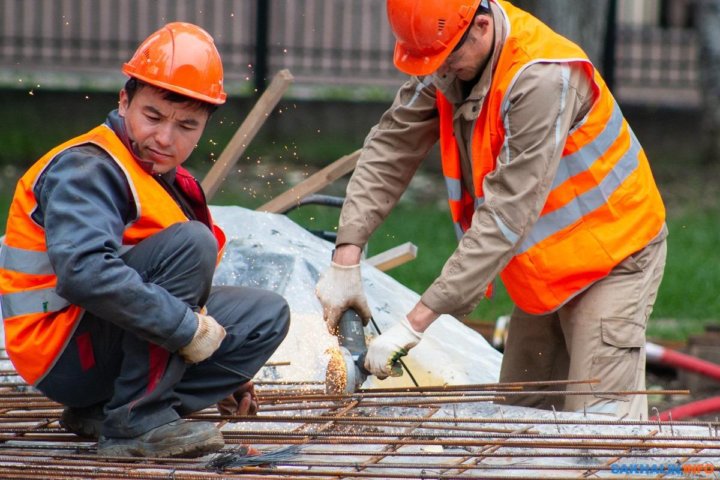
312	184
246	132
393	257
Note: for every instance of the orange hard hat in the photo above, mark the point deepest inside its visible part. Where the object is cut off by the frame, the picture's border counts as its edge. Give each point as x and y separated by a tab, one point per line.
427	31
180	57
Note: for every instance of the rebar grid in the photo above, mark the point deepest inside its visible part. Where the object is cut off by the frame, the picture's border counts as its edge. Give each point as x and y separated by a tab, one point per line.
390	433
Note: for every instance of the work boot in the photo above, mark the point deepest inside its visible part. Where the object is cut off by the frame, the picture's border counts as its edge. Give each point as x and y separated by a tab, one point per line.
84	422
180	438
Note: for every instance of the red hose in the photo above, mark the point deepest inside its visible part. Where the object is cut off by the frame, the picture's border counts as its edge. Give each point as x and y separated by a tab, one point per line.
674	358
706	406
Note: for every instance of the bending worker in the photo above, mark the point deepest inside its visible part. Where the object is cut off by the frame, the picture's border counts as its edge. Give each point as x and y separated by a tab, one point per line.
548	188
107	267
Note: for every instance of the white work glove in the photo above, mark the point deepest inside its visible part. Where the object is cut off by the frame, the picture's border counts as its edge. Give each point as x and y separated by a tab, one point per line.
207	339
387	349
339	289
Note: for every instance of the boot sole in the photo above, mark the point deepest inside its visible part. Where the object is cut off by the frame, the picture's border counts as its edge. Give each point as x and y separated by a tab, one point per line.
191	447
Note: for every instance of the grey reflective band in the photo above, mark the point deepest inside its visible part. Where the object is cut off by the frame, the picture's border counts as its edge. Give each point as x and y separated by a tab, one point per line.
478	202
25	261
583	159
420	87
586	203
511	236
458	230
565	75
33	262
32	301
454	189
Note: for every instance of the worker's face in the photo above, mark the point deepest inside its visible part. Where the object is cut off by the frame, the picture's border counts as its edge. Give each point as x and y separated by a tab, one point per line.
470	58
163	133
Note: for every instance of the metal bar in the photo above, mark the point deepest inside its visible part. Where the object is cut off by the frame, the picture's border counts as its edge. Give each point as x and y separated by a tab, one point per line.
261	45
344	437
455	393
509	421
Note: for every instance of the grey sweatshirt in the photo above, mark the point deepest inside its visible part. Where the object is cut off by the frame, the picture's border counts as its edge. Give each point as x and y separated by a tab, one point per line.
84	205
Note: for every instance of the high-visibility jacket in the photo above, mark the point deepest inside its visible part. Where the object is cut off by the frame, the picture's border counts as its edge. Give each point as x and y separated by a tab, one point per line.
38	322
603	205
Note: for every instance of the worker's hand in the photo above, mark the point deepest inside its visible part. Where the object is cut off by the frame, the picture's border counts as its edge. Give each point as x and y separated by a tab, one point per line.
387	349
242	401
207	339
340	288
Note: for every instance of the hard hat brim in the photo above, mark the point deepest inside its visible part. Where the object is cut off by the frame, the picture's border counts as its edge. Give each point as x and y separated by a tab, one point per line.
129	70
412	64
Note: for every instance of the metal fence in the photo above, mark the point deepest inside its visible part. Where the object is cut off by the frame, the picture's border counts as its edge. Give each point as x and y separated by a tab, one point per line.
657	65
324	43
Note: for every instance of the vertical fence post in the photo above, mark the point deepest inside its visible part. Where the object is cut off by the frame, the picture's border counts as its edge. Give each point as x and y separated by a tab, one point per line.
610	40
261	45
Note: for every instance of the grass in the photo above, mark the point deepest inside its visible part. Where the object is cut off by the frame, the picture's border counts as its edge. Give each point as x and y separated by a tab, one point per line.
687	299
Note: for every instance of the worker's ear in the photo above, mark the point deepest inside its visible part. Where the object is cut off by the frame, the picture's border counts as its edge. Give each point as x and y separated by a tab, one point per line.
123	102
482	22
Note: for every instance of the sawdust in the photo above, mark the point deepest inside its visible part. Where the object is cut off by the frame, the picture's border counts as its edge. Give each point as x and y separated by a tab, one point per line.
336	373
303	353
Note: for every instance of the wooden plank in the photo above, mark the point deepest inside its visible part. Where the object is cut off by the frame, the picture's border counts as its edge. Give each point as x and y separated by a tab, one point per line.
312	184
393	257
246	132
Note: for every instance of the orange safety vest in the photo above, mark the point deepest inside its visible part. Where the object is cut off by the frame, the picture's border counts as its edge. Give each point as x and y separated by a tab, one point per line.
603	205
38	322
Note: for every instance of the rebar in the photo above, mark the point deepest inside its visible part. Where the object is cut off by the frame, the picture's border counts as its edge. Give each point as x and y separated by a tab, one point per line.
343	436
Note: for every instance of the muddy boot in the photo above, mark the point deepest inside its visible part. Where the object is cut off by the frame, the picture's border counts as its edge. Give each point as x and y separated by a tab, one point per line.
180	438
84	422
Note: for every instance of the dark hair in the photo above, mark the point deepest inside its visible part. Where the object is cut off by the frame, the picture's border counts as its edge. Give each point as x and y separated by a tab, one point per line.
133	85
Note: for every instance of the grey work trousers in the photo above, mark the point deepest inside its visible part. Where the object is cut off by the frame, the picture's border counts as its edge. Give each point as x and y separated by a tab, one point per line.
143	386
598	335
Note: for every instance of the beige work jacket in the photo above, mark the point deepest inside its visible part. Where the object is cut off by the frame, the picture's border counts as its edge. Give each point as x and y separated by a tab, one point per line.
542	106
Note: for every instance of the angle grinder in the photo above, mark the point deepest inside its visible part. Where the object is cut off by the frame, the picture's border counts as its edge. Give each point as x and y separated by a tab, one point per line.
346	370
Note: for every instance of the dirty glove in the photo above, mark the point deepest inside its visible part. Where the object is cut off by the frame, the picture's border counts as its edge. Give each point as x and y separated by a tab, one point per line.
242	401
387	349
207	339
340	288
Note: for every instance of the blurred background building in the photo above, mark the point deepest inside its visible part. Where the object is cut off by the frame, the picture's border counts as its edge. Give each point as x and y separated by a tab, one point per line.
330	46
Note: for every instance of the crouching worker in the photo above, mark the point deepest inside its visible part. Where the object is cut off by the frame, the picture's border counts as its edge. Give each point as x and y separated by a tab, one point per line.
107	265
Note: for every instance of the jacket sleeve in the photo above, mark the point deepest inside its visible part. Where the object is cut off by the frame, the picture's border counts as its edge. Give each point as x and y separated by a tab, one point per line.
545	103
84	204
390	156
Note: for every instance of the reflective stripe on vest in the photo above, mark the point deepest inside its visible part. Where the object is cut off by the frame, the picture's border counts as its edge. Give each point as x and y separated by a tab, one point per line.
603	204
589	201
38	300
38	322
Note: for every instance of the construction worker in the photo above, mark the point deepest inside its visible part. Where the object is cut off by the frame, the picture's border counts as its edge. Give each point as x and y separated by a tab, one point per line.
548	187
107	266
